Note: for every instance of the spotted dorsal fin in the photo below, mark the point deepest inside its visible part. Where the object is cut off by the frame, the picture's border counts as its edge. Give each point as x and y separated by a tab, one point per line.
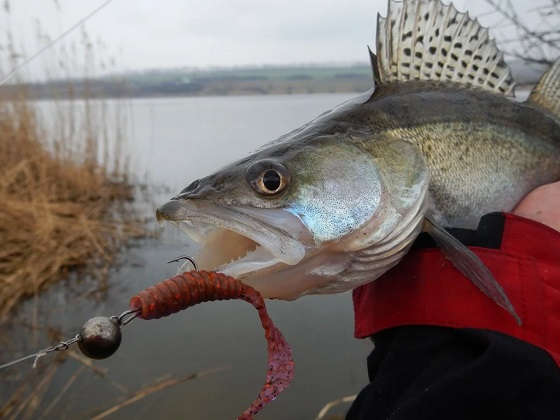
546	94
427	40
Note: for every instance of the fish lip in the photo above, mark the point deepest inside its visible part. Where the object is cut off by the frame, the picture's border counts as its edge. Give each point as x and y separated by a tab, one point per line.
279	243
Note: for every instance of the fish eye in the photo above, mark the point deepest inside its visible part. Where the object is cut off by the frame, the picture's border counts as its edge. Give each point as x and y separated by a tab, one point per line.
271	180
268	177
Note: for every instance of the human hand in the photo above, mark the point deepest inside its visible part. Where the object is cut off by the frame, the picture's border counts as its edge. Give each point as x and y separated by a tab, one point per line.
543	205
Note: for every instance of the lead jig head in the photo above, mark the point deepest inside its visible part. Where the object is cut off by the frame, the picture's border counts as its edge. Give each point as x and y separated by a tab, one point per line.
100	337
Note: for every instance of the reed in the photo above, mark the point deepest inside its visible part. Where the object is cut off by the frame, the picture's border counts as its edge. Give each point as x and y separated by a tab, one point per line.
64	184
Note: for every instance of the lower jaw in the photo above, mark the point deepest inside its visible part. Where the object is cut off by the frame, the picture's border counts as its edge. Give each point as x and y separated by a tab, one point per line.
272	278
223	245
311	276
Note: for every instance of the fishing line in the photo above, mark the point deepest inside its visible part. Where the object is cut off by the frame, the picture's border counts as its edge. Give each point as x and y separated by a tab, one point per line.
88	337
54	41
100	336
121	320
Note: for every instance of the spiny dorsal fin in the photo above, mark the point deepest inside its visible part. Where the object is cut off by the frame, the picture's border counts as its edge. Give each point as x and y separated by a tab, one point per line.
427	40
374	68
546	94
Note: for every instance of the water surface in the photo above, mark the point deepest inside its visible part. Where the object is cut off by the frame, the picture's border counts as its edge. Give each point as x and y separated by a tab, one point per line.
172	142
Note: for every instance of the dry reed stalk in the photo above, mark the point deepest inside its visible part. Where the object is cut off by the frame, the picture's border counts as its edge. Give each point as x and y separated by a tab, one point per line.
64	195
32	401
62	391
331	404
155	387
63	178
14	400
58	209
102	372
36	397
87	362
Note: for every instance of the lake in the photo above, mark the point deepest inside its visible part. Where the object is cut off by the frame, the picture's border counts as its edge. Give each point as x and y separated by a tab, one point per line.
171	143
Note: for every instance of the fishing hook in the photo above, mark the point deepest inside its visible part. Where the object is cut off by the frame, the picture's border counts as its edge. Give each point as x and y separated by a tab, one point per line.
185	257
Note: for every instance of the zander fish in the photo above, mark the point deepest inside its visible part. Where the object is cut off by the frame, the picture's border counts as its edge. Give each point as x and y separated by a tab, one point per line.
437	142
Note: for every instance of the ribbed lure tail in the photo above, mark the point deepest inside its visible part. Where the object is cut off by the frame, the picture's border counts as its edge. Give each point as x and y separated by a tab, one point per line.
188	289
546	95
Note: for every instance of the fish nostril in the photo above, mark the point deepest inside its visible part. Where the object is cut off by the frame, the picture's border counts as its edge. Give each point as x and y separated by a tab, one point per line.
191	187
189	192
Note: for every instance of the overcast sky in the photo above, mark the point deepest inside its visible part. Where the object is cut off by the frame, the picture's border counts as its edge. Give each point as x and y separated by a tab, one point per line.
200	33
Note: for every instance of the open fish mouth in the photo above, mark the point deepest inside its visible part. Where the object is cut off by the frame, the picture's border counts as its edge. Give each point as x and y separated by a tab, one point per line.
238	241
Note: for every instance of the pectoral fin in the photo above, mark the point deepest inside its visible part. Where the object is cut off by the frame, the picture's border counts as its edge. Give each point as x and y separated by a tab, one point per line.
470	265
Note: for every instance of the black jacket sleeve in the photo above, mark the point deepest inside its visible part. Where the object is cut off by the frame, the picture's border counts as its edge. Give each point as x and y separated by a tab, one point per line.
421	373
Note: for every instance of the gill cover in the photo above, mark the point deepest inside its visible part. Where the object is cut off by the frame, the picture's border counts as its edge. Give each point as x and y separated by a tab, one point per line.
337	190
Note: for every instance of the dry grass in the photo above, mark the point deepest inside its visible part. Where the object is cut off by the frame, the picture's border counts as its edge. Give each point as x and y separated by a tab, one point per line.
65	200
63	175
57	200
157	386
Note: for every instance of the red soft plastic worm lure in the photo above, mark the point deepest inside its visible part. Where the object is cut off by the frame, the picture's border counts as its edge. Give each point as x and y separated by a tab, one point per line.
188	289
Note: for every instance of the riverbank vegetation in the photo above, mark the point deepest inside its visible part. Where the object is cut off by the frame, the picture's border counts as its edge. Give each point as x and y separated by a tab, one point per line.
65	191
58	208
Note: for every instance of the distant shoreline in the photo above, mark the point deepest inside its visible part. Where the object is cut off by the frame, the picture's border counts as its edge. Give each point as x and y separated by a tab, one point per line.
233	93
282	80
177	83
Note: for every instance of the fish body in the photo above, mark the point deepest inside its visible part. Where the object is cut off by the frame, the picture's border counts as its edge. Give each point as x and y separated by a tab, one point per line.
484	152
339	201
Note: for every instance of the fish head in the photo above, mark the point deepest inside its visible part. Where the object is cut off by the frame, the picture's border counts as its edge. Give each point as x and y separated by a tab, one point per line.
288	219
